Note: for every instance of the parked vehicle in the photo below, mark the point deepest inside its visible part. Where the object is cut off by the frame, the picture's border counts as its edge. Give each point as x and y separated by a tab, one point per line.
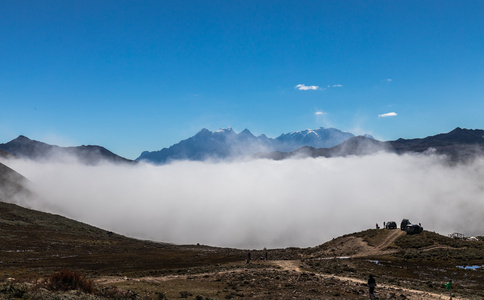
404	224
413	229
391	225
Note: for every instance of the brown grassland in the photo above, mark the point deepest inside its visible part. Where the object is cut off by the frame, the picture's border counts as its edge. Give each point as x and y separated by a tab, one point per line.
45	256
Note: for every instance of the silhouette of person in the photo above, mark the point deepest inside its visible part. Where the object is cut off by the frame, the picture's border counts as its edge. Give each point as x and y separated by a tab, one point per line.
371	286
248	257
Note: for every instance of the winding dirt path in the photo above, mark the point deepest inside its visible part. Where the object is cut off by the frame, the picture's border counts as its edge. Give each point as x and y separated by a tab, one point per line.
294	265
380	249
391	238
291	266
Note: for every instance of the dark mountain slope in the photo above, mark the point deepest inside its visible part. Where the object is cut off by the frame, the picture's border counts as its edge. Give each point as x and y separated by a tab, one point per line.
459	144
23	147
12	184
4	154
457	136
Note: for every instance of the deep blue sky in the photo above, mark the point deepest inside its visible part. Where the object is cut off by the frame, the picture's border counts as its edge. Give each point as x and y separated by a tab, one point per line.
143	75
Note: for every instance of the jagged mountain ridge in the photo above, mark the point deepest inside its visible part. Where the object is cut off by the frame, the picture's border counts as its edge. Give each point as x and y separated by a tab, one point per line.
23	147
225	143
458	145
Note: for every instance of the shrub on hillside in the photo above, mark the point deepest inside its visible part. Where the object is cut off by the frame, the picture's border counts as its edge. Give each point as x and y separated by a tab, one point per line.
10	290
414	241
66	280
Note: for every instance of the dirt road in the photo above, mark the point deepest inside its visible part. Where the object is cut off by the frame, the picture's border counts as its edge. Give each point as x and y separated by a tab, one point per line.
294	265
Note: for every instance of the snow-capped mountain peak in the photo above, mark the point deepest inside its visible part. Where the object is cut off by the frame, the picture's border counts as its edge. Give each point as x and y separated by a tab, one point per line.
228	129
225	142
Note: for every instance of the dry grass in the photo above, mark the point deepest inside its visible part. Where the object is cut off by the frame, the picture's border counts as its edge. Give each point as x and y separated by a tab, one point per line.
34	246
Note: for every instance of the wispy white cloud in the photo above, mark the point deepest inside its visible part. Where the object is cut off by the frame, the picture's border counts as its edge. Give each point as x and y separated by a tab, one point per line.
320	113
337	85
303	87
390	114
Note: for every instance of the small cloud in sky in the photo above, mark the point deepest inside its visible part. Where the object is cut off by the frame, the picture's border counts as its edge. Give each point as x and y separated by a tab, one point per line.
388	80
390	114
303	87
337	85
320	113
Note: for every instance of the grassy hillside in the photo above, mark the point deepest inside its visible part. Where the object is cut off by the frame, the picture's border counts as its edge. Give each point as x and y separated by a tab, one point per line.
424	261
35	244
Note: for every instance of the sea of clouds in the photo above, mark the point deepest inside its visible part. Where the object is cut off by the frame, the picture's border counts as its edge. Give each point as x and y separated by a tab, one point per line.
262	203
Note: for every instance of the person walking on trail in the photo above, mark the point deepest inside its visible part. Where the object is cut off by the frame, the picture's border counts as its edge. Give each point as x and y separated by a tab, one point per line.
371	286
449	287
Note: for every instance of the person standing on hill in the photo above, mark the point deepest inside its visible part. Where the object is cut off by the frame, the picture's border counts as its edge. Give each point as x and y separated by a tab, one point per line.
448	287
371	286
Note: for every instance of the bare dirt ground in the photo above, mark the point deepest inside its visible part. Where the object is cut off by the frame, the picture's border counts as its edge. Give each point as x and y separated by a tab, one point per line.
286	279
281	279
34	245
381	248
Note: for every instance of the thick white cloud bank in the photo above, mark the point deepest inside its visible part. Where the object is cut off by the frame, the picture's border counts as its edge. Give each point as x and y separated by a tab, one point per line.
263	203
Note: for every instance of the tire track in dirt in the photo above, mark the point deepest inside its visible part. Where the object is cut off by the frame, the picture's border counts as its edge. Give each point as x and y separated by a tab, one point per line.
379	250
391	238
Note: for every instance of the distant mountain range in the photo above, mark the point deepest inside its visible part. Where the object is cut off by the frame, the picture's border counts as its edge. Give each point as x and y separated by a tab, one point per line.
23	147
226	143
459	144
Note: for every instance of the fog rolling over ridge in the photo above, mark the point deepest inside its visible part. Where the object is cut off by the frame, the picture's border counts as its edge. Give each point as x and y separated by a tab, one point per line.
263	203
